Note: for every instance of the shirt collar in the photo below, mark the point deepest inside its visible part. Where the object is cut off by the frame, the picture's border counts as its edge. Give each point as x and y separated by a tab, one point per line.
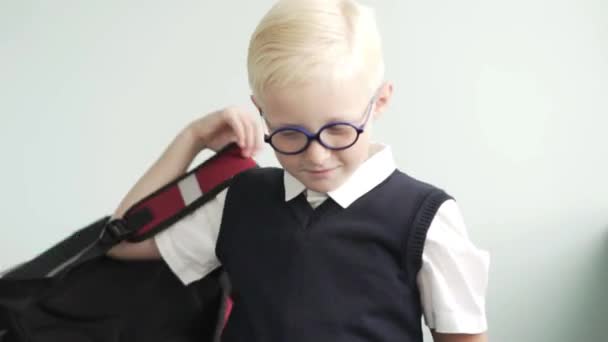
379	165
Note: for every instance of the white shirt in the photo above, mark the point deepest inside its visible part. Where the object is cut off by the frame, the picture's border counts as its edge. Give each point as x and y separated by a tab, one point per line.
454	273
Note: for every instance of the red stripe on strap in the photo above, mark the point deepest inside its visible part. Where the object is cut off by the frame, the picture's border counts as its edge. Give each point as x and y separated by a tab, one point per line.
162	207
224	167
213	172
229	304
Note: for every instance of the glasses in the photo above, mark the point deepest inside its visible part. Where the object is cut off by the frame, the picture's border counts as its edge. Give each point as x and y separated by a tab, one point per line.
334	136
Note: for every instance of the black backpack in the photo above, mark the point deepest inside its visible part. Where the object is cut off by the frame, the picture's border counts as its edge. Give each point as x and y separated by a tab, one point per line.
73	292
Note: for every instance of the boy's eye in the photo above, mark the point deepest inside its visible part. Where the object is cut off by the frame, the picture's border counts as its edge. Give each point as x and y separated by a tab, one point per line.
339	130
289	134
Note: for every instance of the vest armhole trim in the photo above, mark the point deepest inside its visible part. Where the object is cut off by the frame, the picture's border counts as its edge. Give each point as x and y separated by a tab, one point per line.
423	218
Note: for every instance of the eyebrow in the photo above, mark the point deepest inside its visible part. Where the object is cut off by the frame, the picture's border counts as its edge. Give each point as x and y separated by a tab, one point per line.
280	126
330	120
337	119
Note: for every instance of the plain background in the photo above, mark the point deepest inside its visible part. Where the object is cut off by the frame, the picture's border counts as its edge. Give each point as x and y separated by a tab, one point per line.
503	104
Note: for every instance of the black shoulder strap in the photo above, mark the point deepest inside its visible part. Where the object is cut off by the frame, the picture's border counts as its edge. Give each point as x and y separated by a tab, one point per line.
142	220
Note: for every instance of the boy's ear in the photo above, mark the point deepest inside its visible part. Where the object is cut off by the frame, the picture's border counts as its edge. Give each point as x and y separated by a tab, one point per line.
255	103
385	93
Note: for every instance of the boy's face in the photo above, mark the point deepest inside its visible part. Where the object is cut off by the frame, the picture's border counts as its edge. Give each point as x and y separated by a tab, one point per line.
311	107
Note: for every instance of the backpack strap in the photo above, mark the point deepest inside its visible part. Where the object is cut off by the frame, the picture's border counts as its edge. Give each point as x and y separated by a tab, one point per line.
419	228
167	205
149	216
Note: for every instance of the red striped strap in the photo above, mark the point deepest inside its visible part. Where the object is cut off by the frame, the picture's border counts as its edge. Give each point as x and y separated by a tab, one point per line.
182	196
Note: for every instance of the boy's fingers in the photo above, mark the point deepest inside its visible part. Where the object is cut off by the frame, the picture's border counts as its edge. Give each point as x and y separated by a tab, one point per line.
237	127
256	135
259	138
249	134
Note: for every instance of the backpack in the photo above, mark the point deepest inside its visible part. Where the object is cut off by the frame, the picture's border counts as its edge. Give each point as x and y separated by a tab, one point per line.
74	292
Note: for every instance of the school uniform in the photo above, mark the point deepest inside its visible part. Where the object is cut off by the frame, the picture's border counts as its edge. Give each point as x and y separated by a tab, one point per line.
361	263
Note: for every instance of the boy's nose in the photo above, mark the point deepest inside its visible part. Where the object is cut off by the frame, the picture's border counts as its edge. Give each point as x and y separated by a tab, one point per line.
316	153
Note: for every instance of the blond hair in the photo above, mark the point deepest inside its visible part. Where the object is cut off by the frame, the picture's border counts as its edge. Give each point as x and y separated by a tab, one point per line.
302	41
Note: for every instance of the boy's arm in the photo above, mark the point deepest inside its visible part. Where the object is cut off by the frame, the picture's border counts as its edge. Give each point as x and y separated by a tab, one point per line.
453	279
439	337
172	163
212	131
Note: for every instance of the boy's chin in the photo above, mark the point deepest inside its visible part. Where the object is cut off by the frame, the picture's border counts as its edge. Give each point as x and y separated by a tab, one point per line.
322	185
324	182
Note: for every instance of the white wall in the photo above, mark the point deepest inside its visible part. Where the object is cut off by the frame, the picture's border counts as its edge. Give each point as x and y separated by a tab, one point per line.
504	104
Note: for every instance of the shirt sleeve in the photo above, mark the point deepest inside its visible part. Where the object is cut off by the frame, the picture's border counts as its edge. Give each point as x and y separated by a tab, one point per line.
453	277
188	246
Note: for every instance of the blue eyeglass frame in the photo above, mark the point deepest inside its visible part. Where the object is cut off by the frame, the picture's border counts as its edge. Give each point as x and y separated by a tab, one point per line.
317	136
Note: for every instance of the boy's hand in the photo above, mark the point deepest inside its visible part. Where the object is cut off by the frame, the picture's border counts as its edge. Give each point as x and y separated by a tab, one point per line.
228	125
212	131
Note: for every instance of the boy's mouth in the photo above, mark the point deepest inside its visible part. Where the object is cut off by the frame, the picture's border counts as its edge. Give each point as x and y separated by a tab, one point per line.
320	172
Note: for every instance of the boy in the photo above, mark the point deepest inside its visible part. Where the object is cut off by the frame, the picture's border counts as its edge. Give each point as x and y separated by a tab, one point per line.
320	250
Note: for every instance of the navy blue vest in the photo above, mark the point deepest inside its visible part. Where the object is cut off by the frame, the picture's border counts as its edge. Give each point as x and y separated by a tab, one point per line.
328	274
